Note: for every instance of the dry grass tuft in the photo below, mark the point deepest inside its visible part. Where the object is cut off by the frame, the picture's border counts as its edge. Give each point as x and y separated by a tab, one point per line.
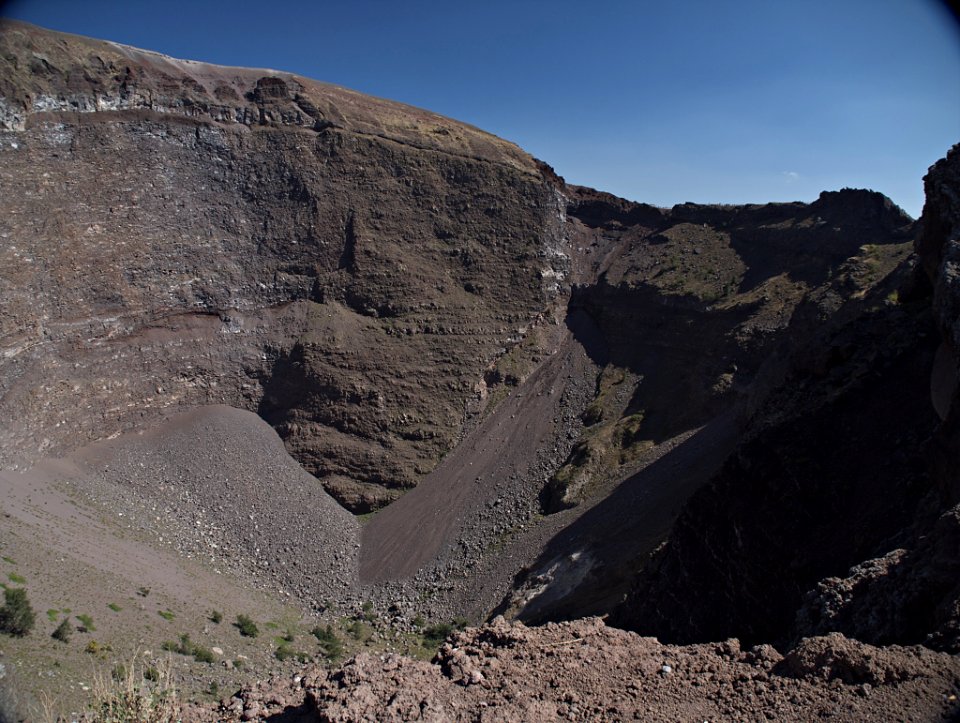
140	694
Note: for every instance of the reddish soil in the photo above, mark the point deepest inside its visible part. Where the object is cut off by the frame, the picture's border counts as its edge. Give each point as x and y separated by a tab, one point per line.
586	671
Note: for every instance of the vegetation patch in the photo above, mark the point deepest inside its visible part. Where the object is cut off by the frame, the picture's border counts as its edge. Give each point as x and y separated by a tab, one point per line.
285	651
185	646
434	635
63	631
16	615
330	644
134	694
246	626
166	615
360	631
87	623
95	648
613	437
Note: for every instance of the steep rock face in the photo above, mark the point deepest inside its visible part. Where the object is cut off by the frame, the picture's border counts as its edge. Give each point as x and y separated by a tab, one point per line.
177	234
912	593
939	249
700	314
689	303
845	462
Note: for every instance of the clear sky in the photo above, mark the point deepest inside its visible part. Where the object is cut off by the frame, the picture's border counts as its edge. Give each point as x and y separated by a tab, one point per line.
662	102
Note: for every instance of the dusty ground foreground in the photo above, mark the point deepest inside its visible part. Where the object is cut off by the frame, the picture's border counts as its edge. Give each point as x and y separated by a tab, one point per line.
584	670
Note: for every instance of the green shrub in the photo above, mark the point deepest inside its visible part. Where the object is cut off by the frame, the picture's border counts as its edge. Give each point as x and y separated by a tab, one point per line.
330	644
436	634
18	579
324	635
285	652
16	616
63	631
367	611
166	615
116	608
246	626
87	622
203	655
188	647
216	617
360	631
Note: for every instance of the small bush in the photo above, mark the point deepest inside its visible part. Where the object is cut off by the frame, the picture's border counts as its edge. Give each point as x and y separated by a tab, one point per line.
151	674
367	611
359	631
87	623
216	617
53	614
246	626
116	608
285	652
16	616
324	635
166	615
188	647
330	644
436	634
63	632
18	579
203	655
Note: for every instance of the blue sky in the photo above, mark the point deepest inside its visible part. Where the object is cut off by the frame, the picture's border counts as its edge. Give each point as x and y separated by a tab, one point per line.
662	102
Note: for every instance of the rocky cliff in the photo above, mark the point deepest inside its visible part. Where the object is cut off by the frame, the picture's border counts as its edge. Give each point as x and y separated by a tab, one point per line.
845	467
709	421
176	234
